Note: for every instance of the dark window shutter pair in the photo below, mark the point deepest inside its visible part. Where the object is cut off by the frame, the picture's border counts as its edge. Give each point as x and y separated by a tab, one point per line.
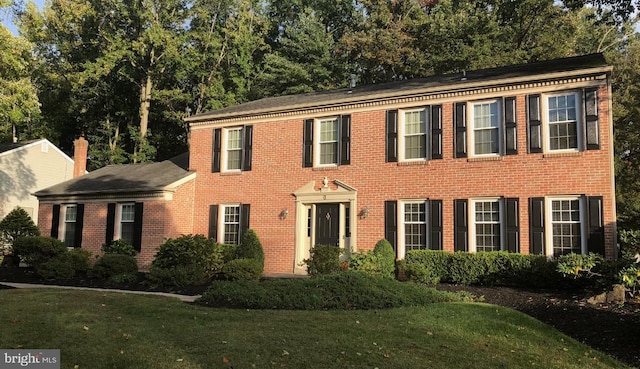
245	211
137	224
434	117
461	226
55	224
247	149
344	146
434	212
460	130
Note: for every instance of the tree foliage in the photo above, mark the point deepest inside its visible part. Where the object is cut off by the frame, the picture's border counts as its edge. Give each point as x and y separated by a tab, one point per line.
17	224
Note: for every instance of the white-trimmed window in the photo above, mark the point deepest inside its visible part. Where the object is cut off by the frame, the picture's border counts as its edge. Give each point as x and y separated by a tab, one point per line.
486	123
486	229
566	232
412	230
562	112
328	136
231	224
126	223
233	149
69	224
413	135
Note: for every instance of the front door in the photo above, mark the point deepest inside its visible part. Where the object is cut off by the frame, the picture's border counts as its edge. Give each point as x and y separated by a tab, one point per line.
327	224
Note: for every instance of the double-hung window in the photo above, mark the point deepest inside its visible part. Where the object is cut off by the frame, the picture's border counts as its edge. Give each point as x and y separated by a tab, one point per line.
562	121
327	142
486	128
413	132
126	222
565	226
487	232
70	219
413	225
232	149
231	224
228	222
414	220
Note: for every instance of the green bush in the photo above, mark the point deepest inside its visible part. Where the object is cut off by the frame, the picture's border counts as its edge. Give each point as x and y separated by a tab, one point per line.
250	247
185	261
118	247
386	258
324	259
435	263
35	250
111	265
346	290
17	224
577	265
243	270
65	265
227	252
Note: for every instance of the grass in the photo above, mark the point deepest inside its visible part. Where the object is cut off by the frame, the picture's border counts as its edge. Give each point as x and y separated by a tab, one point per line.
110	330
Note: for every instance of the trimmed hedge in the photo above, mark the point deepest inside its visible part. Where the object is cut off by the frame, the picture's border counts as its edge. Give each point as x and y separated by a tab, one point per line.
347	290
243	270
35	250
482	268
111	266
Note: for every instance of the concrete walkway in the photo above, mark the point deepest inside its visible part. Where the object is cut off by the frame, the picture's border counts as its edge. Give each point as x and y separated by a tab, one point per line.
184	298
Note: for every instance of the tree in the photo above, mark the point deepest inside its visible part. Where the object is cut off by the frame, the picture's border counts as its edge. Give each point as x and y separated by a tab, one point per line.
17	224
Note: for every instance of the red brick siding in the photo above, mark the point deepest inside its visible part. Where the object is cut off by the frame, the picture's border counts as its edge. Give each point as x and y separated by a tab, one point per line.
277	172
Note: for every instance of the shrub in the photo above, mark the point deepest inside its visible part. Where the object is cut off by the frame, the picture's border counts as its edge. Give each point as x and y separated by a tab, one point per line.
386	258
185	261
324	259
435	262
65	265
111	265
577	265
35	250
243	270
118	247
227	251
17	224
250	247
347	290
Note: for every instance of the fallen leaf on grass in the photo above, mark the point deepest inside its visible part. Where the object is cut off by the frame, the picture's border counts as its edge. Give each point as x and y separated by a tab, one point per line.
85	328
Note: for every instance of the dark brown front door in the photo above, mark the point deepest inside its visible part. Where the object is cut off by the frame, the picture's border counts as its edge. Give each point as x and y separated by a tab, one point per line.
327	224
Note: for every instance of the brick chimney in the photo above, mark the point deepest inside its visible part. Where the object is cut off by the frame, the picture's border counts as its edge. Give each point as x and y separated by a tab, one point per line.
80	149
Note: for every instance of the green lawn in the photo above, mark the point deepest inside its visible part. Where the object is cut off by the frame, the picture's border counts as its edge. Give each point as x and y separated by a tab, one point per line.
97	330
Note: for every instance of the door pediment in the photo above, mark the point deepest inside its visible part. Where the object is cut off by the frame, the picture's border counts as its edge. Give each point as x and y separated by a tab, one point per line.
311	192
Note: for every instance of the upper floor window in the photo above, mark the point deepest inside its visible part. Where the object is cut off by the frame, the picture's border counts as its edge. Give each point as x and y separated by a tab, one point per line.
565	121
414	134
486	120
327	141
232	149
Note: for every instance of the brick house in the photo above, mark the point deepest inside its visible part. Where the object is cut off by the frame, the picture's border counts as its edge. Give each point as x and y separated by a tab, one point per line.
140	203
516	158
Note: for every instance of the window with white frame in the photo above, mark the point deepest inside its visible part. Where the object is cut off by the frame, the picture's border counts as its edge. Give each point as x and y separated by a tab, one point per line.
414	225
328	141
413	135
231	224
485	125
127	222
565	225
562	121
486	220
233	149
70	220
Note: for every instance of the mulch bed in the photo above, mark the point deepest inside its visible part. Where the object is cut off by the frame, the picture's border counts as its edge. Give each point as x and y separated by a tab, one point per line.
612	329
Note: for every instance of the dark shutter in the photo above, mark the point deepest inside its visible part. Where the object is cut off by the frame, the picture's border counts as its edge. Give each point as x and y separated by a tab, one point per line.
137	226
460	123
213	222
595	226
591	119
392	137
534	124
510	126
435	224
55	221
536	226
307	151
111	222
436	132
247	147
217	147
345	140
512	225
460	227
244	220
390	223
77	237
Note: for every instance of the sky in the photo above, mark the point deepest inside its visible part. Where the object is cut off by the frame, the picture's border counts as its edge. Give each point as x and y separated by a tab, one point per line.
6	17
